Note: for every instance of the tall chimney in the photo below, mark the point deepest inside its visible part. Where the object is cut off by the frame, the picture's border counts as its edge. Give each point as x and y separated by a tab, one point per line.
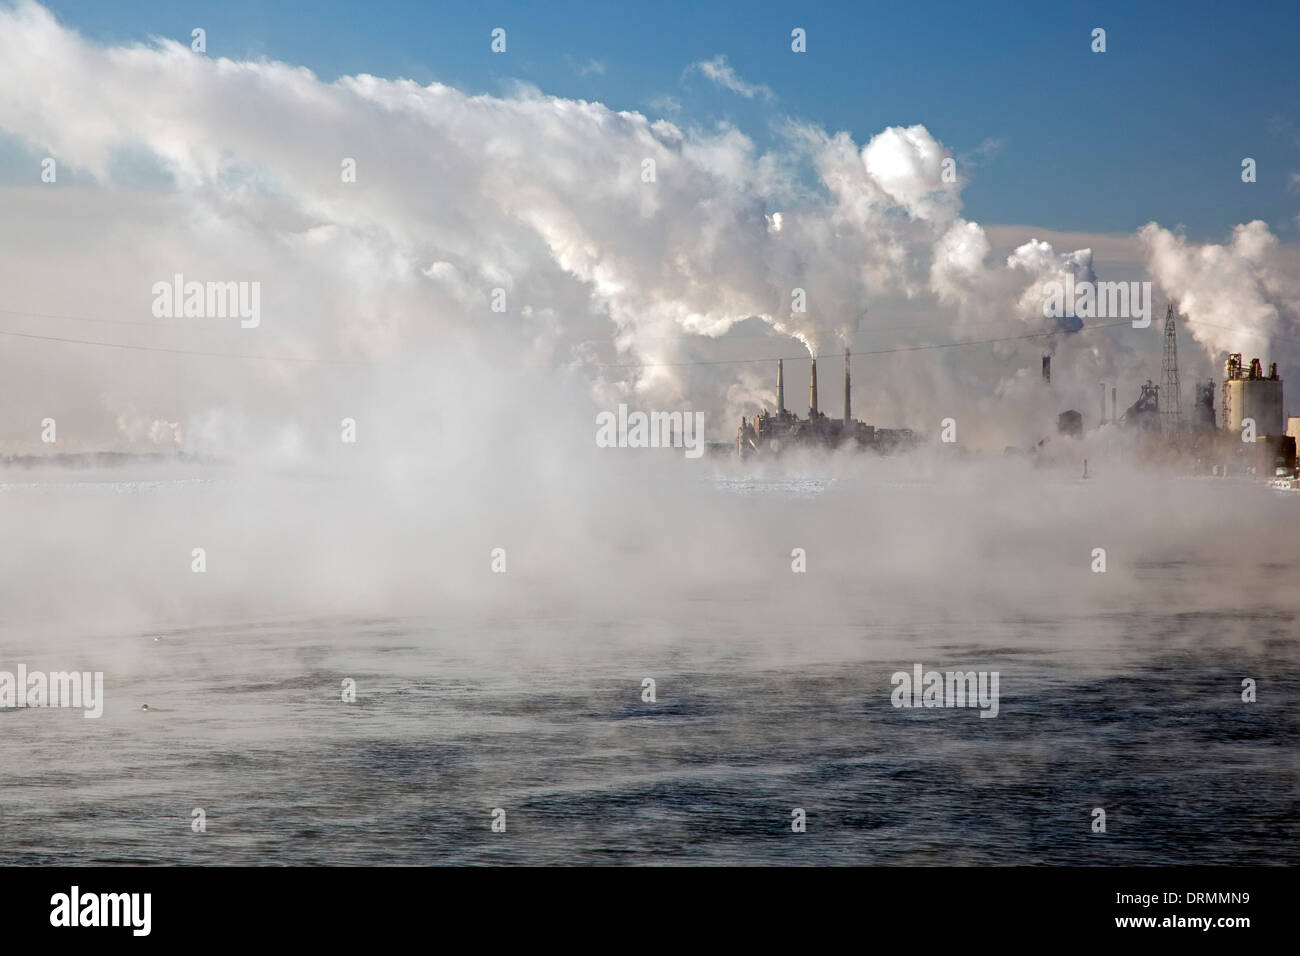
1047	368
1114	404
812	391
1103	403
848	404
780	387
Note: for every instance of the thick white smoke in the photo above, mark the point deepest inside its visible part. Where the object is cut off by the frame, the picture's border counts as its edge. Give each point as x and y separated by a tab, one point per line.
614	237
1242	296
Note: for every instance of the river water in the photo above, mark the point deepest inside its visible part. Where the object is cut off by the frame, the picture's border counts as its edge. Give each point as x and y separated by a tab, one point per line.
767	701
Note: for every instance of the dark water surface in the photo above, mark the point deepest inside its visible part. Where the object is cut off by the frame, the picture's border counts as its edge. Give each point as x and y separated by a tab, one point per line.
1131	704
587	772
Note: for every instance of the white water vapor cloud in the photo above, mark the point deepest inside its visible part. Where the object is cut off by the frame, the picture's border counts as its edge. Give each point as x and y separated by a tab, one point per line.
460	201
1240	296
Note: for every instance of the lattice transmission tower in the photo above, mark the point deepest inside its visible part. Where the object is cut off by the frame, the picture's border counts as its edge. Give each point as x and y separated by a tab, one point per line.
1171	413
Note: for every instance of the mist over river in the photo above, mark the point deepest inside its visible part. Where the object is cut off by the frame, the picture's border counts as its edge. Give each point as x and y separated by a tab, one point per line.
523	691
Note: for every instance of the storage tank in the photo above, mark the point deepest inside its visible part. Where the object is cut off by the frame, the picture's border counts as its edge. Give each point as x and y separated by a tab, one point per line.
1251	394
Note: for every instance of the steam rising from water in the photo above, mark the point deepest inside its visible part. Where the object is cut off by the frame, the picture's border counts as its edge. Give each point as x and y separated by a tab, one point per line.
619	535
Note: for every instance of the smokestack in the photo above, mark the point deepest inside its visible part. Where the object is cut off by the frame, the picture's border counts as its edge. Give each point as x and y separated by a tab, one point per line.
1047	369
1114	406
812	391
1103	403
848	404
780	387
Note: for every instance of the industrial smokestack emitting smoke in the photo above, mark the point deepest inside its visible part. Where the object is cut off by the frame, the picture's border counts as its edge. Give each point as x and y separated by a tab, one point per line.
1103	403
780	387
812	391
848	405
1047	369
1114	406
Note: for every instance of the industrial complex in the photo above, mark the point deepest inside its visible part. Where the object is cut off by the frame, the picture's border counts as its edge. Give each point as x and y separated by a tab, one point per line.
768	433
1249	434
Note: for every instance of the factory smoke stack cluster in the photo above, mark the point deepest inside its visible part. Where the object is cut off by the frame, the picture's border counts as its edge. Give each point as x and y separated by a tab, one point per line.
769	434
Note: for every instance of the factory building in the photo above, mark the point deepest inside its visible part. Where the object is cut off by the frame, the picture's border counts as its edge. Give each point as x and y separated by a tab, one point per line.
1070	422
771	433
1203	410
1145	412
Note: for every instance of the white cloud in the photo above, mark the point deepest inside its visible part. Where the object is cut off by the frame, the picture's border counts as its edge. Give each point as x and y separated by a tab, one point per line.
719	71
669	105
589	67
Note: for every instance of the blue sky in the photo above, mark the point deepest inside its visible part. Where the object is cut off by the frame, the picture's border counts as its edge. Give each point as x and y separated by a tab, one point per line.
1155	128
